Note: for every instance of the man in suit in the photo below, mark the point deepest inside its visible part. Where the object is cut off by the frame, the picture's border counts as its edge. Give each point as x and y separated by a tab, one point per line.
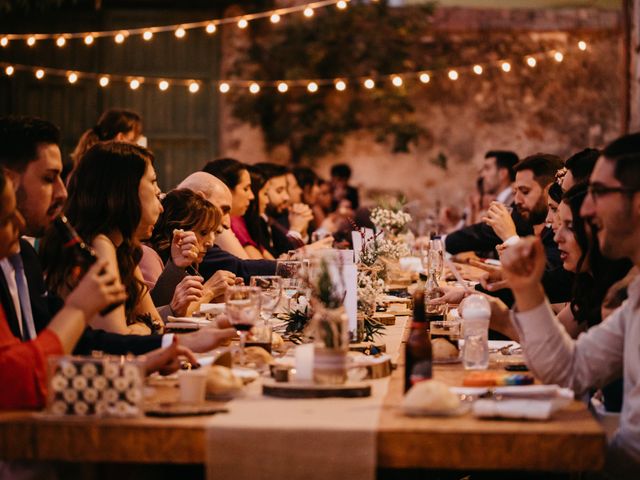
30	155
498	175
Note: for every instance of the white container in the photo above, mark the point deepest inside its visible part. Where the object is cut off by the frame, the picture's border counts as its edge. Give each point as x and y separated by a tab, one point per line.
192	385
476	312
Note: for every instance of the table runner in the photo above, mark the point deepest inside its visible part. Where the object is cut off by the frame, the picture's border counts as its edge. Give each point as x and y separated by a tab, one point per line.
270	438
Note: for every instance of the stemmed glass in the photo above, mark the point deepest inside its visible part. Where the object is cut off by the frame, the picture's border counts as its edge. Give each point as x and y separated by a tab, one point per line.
436	258
270	293
243	309
291	273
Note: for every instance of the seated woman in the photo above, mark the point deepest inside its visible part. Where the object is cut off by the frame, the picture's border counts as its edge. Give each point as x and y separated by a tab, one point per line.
235	175
113	204
186	218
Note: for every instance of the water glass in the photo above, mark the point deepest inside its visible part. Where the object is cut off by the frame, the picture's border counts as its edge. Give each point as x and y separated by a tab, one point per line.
270	292
475	354
243	309
291	273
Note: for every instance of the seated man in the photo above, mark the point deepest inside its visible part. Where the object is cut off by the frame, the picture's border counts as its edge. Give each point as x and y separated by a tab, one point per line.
609	349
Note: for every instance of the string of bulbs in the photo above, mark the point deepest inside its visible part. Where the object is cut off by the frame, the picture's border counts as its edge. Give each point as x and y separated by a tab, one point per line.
312	85
179	30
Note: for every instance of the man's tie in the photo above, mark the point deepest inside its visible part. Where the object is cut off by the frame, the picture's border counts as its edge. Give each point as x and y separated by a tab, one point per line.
28	327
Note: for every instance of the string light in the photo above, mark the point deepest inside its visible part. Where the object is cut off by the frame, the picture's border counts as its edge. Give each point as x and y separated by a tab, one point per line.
425	78
308	12
104	81
243	23
275	18
532	62
163	85
254	88
369	83
180	32
341	86
224	87
61	41
477	69
506	67
582	45
194	87
397	81
211	28
341	4
31	41
9	70
453	75
88	40
558	57
147	35
134	84
283	87
119	38
39	74
72	77
4	41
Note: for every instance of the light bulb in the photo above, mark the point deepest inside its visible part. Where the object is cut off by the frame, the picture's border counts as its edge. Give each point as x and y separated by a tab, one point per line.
4	41
134	84
275	18
243	23
88	40
104	81
453	75
180	32
506	67
119	38
582	45
369	83
425	78
194	87
211	28
558	57
31	41
72	77
341	4
254	88
61	41
397	81
311	87
163	85
477	69
282	87
147	35
39	74
224	87
532	62
341	86
308	12
9	70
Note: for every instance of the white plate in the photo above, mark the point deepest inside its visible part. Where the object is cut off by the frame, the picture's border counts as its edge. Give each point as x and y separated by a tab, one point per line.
247	375
193	320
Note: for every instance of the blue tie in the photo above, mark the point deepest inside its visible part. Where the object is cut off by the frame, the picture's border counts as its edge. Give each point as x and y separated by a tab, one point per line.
28	327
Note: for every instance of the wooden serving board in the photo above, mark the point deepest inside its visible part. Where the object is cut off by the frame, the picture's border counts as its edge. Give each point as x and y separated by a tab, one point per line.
385	318
312	390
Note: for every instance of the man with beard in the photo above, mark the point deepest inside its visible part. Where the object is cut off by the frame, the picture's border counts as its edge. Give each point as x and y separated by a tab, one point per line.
610	349
534	175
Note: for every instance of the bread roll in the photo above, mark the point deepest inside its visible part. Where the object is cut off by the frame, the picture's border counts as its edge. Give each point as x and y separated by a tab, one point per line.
222	381
443	349
254	355
431	396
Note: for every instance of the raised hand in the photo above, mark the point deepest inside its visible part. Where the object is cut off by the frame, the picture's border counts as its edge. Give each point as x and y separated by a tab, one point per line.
452	295
219	282
523	266
499	218
299	217
98	289
184	248
167	360
492	279
206	339
190	289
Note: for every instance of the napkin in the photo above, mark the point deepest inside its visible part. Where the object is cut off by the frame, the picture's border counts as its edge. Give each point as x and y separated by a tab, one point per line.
543	402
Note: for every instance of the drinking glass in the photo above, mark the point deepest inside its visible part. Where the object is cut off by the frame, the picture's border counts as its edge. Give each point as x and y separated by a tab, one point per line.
243	309
436	257
291	273
270	293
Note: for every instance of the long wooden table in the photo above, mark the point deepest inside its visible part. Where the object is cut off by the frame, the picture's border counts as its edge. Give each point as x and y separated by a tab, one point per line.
571	441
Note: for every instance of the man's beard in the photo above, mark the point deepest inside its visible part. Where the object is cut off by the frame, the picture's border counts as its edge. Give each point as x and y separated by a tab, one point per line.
537	215
273	211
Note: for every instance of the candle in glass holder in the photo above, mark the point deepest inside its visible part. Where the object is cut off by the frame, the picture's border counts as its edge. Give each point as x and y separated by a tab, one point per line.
304	362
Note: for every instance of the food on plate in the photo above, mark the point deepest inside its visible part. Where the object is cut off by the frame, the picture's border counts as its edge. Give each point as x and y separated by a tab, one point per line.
254	355
222	381
430	396
443	349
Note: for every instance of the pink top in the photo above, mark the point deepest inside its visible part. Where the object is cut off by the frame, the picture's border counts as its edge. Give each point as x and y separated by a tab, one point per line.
239	228
151	266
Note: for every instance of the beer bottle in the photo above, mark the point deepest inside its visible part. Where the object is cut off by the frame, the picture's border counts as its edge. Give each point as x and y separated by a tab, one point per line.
418	354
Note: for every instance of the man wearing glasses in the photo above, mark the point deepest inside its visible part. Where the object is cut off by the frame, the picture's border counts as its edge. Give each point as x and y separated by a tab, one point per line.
608	350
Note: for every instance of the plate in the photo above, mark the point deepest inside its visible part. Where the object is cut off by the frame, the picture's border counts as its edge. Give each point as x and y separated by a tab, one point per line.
463	408
247	375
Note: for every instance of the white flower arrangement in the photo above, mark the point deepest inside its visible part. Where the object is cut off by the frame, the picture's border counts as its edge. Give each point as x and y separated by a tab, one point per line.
390	219
392	249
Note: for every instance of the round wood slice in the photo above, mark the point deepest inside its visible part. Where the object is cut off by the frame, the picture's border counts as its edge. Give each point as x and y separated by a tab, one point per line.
311	390
385	318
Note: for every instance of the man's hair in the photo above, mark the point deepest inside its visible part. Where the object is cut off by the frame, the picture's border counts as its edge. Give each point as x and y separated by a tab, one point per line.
543	165
20	138
625	152
271	170
581	164
504	159
226	169
305	176
341	170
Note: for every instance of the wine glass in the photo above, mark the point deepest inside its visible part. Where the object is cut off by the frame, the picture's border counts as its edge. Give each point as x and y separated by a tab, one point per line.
291	273
270	293
243	309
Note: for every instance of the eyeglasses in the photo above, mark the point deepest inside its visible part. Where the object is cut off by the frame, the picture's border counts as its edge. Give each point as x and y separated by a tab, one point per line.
598	190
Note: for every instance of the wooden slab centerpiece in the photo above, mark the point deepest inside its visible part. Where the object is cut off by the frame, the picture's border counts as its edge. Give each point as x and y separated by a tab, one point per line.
272	388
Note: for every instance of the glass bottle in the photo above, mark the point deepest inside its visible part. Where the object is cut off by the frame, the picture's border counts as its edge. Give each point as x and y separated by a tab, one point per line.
418	353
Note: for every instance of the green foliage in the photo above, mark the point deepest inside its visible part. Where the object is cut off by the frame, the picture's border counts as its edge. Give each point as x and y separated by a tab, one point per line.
372	329
365	40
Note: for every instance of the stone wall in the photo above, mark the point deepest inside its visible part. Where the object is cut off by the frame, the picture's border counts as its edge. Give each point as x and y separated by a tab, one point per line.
554	108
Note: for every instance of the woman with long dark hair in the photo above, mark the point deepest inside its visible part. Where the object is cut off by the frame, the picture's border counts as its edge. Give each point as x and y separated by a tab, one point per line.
113	204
